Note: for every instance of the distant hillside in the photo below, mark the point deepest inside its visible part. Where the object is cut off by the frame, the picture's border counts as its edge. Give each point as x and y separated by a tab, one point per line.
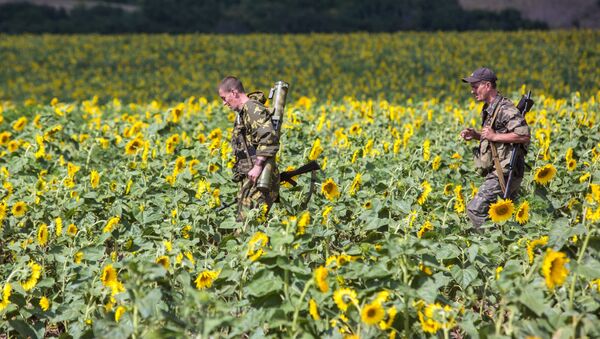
556	13
70	4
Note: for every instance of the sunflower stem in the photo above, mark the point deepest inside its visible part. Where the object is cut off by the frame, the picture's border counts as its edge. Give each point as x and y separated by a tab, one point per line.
297	308
580	258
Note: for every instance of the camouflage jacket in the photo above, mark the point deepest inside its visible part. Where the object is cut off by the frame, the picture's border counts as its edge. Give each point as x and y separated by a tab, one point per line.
254	124
508	119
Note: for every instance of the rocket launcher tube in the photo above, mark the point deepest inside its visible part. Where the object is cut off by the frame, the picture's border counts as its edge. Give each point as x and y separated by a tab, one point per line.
278	95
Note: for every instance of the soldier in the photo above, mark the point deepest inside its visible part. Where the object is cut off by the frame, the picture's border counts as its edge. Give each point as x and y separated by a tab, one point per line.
503	128
255	143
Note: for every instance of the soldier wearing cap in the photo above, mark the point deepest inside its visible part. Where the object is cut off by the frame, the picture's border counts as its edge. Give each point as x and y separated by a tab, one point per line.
503	128
255	143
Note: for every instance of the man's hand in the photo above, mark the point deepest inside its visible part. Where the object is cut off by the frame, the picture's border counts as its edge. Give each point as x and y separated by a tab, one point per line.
488	134
469	134
255	173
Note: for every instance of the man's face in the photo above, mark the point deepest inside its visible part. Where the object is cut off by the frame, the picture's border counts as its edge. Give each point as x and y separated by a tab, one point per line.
481	90
231	99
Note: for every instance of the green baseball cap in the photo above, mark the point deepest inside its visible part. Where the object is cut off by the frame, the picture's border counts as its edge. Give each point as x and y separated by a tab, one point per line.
481	74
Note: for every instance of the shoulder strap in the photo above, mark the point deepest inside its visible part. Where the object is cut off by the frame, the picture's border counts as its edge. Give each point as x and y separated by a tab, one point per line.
497	164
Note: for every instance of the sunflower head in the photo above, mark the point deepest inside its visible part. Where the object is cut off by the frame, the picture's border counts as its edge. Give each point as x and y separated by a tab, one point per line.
321	279
544	174
344	297
163	261
522	215
553	268
372	314
330	189
19	209
205	279
571	165
501	210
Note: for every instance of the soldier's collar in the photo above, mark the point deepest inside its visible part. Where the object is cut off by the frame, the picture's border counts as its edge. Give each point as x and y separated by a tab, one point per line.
490	108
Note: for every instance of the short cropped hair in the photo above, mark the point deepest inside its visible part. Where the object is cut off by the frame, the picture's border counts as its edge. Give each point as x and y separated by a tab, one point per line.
230	83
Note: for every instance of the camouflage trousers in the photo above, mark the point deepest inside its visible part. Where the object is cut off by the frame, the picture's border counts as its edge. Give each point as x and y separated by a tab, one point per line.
249	197
488	193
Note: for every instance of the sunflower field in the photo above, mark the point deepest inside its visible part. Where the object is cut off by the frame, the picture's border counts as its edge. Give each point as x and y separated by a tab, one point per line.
109	221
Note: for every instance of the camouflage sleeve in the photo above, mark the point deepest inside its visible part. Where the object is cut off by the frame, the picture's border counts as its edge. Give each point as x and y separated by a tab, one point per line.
513	121
262	132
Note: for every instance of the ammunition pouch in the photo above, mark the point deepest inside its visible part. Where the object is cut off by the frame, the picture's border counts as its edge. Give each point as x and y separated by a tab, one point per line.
484	162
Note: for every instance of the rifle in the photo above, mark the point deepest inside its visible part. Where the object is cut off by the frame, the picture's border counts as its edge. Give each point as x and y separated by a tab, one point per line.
286	176
523	106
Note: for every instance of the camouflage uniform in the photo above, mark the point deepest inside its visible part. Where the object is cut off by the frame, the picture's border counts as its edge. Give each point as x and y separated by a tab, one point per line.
253	123
508	119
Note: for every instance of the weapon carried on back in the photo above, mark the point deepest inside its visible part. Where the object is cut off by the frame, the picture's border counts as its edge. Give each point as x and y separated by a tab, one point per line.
523	106
278	95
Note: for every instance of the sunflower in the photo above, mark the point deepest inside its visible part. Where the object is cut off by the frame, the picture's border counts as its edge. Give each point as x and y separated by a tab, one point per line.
544	174
36	273
330	189
426	189
372	314
119	313
426	149
185	231
133	146
4	138
459	202
427	226
163	260
425	269
6	292
72	169
569	154
303	222
501	210
19	209
571	165
522	215
192	166
212	168
58	226
94	179
72	230
78	257
532	245
216	133
355	129
205	279
13	145
584	177
368	205
391	312
313	310
3	209
554	269
44	303
344	297
179	165
321	279
256	245
437	161
110	224
42	234
448	189
19	124
316	150
355	186
108	276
